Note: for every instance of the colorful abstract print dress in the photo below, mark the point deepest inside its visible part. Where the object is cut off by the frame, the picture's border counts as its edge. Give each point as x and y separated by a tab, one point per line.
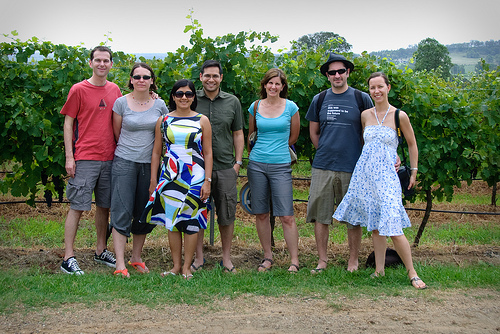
374	196
176	199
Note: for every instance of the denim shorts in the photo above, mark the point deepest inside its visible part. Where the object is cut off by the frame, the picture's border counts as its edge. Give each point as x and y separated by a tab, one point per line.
271	183
90	177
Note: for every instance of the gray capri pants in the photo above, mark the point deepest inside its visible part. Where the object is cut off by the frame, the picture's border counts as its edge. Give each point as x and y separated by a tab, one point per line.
129	196
271	182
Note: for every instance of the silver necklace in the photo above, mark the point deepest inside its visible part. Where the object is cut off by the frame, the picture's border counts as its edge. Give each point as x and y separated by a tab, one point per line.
375	109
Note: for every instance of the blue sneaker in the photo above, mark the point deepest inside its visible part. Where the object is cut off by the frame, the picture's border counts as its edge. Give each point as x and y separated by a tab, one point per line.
106	258
70	266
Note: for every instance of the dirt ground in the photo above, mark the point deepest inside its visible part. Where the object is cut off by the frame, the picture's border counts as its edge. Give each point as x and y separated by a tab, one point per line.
428	311
474	311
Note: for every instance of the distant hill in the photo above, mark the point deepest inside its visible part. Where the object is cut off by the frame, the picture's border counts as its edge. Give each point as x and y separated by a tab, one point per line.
465	56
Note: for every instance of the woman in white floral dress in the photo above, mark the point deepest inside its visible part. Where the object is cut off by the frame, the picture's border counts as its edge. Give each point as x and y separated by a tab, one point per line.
374	196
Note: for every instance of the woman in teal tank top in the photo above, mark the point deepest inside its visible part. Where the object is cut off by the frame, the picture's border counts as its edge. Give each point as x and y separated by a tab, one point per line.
277	123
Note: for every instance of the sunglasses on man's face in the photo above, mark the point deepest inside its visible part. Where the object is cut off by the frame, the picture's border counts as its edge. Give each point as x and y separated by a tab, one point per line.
341	71
179	94
138	77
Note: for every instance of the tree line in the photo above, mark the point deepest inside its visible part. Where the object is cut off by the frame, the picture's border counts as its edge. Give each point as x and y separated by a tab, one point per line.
489	51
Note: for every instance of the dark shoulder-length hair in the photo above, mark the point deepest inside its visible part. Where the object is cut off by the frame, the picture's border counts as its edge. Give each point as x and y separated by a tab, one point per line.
272	73
147	67
182	83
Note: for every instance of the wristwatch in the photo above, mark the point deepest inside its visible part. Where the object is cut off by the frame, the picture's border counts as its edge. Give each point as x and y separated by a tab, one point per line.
208	179
239	162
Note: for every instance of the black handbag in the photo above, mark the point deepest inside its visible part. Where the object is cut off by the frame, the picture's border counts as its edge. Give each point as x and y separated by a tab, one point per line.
404	171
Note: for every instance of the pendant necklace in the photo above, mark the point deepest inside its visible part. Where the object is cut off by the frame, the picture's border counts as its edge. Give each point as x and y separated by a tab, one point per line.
140	103
375	109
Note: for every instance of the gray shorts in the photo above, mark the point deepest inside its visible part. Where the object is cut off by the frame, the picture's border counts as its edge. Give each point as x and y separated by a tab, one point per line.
225	195
271	182
129	196
326	192
90	177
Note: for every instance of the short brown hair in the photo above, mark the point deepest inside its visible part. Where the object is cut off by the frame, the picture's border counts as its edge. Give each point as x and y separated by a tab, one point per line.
101	48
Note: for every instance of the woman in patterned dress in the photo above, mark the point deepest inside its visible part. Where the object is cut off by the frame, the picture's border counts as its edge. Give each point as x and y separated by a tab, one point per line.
374	196
179	196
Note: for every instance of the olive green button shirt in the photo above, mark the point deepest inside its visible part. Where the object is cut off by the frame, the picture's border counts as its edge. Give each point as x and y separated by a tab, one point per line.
225	116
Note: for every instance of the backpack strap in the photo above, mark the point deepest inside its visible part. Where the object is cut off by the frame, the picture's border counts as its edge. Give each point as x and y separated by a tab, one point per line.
357	94
359	100
321	98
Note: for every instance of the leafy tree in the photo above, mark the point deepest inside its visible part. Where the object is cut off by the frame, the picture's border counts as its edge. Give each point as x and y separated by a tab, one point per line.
433	56
484	91
319	39
458	69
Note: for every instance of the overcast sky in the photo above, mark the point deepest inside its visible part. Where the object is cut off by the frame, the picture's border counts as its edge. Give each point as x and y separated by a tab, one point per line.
156	26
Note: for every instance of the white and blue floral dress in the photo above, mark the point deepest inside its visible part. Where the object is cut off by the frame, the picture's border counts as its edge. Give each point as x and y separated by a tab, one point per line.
374	196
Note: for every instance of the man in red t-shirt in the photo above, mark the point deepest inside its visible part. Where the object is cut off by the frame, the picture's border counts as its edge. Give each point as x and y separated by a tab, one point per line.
89	146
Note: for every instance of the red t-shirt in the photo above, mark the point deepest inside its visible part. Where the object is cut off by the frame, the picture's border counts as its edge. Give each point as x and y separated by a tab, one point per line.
91	106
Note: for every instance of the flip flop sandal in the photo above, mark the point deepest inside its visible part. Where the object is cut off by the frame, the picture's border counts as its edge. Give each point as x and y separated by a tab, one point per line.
122	273
195	268
167	273
415	279
226	269
187	277
294	271
316	271
377	275
137	265
261	265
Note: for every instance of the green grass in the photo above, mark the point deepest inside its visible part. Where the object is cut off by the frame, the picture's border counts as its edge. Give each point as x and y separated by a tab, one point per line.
35	288
25	288
471	200
455	233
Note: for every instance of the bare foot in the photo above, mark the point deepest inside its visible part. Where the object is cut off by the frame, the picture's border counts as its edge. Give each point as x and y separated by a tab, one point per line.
352	265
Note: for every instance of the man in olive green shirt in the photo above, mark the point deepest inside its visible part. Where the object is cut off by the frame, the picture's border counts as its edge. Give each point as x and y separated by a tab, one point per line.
226	117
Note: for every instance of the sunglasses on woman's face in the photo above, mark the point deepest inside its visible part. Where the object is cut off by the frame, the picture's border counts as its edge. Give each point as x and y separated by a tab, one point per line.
179	94
138	77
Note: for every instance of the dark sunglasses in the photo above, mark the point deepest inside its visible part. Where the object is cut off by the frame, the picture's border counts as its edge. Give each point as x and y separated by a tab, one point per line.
138	77
341	71
189	94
